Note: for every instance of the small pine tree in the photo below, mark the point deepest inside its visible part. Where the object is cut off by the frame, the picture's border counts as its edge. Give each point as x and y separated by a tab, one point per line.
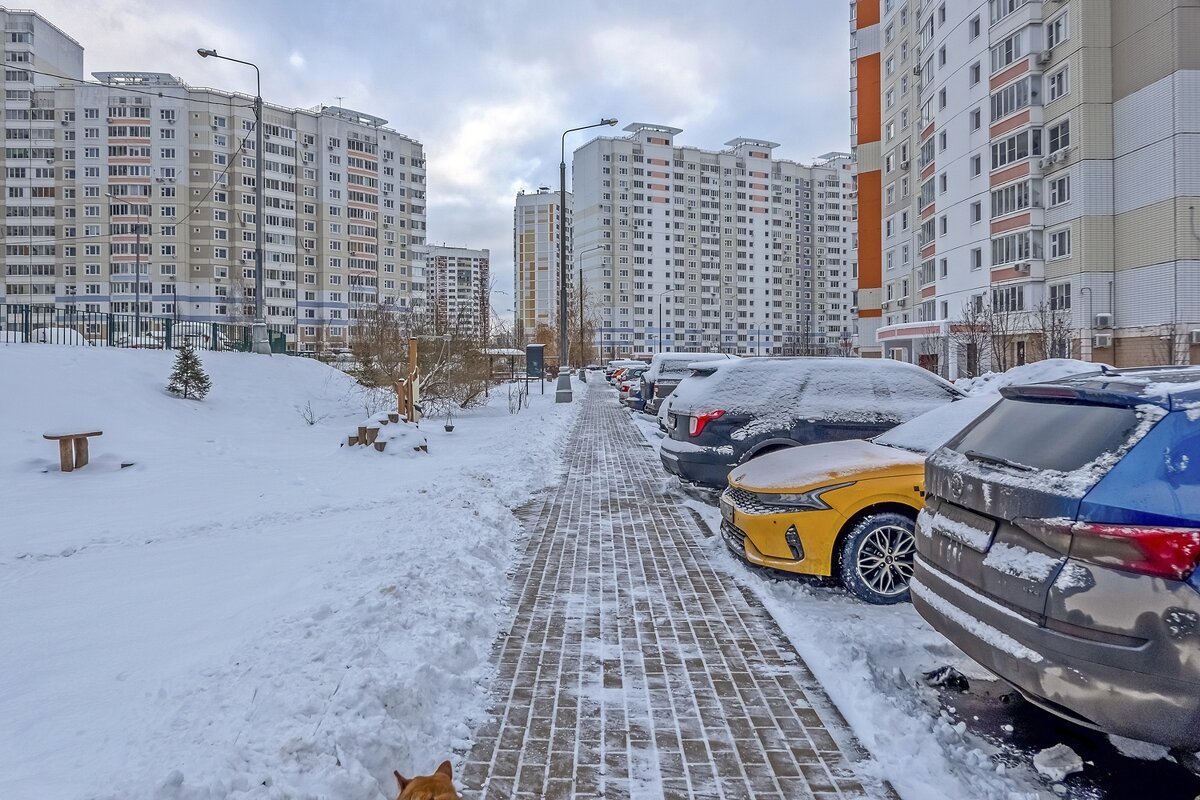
188	379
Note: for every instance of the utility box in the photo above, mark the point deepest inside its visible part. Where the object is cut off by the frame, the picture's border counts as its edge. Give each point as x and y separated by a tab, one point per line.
535	360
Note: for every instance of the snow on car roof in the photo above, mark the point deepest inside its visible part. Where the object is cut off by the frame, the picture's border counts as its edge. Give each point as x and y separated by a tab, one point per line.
844	389
677	363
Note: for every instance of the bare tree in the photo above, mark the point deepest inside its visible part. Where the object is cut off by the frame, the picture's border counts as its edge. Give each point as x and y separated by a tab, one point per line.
929	354
1051	335
971	336
1006	328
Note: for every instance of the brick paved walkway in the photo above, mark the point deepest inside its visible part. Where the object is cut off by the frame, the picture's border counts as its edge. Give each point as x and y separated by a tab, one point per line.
633	667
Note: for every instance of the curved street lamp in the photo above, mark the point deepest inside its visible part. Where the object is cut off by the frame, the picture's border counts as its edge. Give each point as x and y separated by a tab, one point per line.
259	341
563	392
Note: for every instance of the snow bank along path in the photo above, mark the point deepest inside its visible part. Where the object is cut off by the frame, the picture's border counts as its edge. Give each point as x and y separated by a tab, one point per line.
250	611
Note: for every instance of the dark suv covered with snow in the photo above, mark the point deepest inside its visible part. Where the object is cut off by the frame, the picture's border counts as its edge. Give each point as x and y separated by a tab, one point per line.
731	411
1059	547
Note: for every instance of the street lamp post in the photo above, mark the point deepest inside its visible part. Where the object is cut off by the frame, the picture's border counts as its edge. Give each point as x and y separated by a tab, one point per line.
580	257
259	341
660	317
563	393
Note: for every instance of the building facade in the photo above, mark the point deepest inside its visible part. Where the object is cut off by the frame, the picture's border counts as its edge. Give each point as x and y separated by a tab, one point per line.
136	192
1036	188
699	250
536	238
458	284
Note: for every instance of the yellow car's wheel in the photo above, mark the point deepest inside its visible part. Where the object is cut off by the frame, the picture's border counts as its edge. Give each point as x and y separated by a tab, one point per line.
877	558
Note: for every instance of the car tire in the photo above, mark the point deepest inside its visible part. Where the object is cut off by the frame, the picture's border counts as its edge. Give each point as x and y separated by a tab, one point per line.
877	558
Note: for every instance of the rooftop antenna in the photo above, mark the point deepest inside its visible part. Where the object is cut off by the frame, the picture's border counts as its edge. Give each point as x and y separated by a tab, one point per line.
339	98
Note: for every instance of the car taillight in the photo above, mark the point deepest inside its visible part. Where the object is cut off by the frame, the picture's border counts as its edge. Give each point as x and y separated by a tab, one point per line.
1150	550
700	420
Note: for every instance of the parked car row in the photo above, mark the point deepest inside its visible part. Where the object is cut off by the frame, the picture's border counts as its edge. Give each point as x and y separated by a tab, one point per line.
1050	530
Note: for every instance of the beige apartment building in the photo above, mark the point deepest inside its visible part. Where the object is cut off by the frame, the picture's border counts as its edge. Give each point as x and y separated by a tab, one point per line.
459	294
537	232
702	250
1028	167
95	168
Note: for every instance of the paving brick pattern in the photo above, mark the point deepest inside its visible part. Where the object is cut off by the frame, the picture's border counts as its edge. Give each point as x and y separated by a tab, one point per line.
634	668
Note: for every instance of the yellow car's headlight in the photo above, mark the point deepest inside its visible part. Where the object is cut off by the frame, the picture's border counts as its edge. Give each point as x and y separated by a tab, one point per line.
803	501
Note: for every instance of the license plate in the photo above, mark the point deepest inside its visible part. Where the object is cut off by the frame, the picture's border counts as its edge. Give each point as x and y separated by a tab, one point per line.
727	511
672	421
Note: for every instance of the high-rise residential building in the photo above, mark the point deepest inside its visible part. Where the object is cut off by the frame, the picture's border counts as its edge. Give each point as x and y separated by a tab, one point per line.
139	170
700	250
458	283
1025	175
536	238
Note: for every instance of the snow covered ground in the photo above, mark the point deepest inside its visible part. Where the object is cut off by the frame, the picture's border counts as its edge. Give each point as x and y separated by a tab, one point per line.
250	610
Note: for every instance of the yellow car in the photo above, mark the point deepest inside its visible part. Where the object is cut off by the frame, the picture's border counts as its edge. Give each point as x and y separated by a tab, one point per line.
843	509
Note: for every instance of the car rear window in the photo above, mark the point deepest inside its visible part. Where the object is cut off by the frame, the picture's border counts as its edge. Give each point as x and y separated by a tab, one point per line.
1048	436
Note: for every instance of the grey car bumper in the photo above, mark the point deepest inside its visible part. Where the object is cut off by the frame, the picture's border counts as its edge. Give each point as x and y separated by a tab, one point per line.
1046	666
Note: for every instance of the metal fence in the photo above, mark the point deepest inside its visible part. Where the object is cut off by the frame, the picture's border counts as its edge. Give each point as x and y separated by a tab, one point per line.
48	324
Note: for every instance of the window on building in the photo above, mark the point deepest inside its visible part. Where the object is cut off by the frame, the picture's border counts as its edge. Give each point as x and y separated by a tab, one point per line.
1056	31
976	120
975	26
1060	190
1058	136
1060	243
976	212
1058	84
1060	297
976	73
1007	52
976	166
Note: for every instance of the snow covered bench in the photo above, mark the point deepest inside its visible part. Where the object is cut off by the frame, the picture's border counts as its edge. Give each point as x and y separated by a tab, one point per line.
72	448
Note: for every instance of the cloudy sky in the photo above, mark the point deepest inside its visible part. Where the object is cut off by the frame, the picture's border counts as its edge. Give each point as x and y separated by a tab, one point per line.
488	86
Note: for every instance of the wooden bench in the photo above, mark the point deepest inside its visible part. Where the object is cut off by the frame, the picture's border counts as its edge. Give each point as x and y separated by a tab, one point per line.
72	448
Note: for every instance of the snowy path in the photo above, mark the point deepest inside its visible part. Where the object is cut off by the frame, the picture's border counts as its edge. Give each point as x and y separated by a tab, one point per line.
635	669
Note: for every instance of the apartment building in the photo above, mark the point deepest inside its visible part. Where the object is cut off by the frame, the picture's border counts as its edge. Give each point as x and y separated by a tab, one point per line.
1035	186
702	250
459	290
536	237
136	192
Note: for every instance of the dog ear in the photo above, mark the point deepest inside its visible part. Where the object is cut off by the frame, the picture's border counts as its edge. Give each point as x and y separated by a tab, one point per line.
401	781
445	769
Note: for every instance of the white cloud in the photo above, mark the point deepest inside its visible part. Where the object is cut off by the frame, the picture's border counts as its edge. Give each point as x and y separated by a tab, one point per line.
296	60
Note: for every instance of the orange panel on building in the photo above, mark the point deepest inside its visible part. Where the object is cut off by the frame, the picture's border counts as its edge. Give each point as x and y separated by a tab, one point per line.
870	235
868	13
869	99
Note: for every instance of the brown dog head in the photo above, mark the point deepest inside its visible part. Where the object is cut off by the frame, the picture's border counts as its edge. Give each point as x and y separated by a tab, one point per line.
438	786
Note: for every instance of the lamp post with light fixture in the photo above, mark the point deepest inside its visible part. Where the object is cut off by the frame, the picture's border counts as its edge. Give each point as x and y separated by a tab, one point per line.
563	393
259	341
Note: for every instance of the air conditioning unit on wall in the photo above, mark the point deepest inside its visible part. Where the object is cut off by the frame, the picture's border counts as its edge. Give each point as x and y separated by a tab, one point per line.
1101	340
1194	337
1104	320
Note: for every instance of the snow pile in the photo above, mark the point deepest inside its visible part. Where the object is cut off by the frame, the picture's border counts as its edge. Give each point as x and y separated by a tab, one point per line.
248	611
1051	369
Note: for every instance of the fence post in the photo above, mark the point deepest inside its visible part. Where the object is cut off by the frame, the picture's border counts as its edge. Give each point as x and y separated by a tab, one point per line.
27	322
109	322
169	324
215	340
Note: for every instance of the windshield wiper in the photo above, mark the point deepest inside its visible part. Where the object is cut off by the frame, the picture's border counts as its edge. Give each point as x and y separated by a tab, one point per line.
975	455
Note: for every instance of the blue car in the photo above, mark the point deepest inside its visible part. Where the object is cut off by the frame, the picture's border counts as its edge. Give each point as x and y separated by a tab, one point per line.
1059	548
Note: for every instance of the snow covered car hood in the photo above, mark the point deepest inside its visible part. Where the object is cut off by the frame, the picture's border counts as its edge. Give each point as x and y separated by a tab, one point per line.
801	468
